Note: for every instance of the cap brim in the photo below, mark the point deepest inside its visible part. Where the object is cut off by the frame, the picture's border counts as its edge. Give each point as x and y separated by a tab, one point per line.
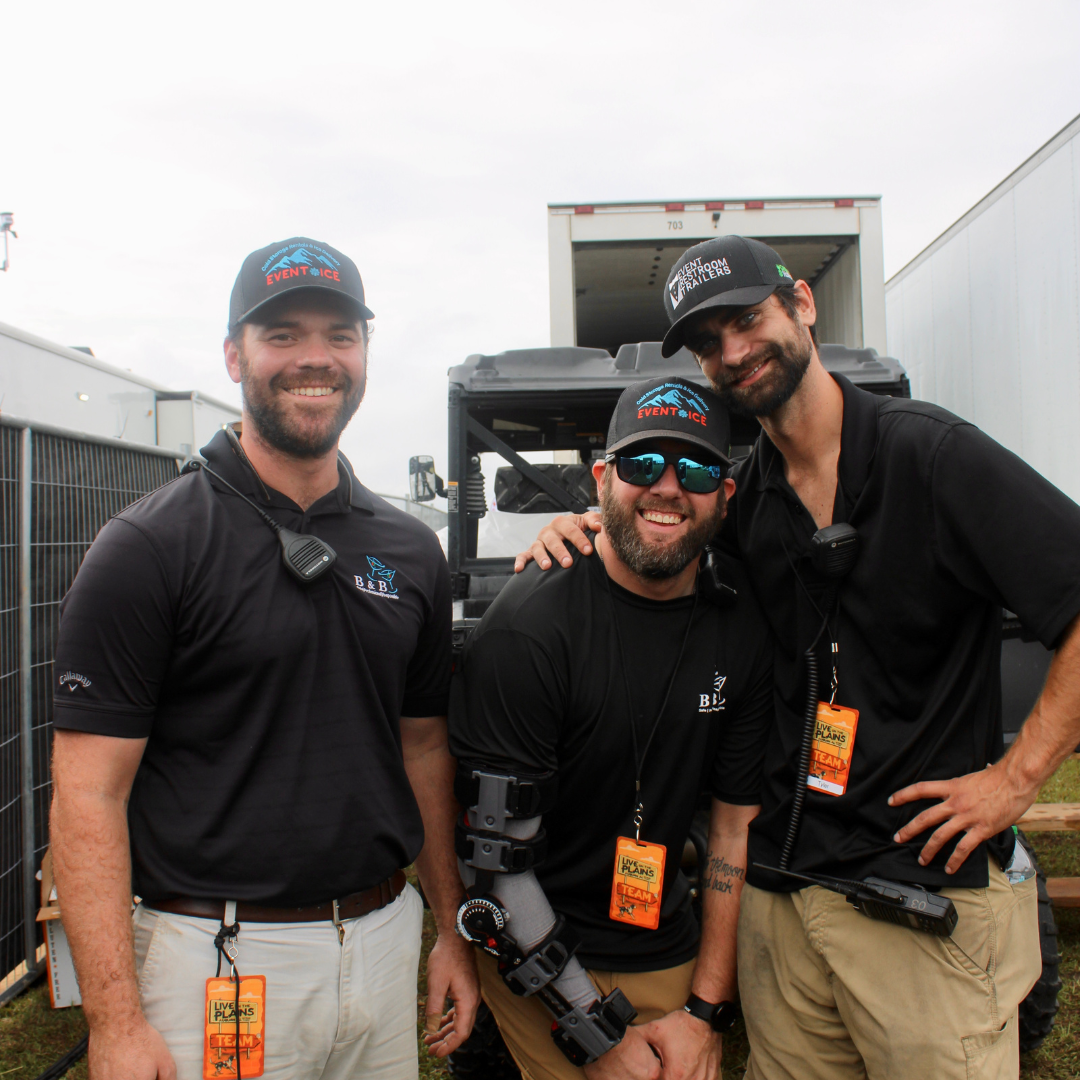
667	433
362	310
744	297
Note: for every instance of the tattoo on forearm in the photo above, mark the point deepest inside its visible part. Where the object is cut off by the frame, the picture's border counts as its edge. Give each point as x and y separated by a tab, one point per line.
720	875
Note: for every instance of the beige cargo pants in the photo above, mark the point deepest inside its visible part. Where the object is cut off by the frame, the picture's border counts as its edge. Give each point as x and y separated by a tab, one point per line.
829	994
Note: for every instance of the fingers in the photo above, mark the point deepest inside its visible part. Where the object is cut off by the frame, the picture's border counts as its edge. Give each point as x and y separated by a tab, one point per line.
931	816
552	541
939	839
928	789
967	845
438	986
522	559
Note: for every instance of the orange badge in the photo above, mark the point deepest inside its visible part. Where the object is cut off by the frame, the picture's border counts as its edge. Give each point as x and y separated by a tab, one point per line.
638	883
219	1043
834	740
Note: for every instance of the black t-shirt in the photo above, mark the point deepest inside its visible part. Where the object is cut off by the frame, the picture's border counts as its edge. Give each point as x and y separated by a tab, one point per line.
952	528
273	771
545	689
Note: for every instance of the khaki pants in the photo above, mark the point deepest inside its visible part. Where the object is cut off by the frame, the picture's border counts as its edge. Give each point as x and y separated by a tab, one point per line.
828	994
525	1024
335	1010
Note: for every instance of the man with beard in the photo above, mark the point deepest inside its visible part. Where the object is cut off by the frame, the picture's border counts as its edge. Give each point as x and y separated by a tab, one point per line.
951	527
258	742
620	689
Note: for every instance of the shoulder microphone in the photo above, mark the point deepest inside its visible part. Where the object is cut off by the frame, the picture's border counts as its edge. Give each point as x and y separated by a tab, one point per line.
306	557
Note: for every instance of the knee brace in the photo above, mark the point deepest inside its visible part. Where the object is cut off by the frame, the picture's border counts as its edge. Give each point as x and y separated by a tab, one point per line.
499	841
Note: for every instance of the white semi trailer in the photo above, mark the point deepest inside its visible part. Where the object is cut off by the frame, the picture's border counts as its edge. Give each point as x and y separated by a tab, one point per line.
607	262
986	320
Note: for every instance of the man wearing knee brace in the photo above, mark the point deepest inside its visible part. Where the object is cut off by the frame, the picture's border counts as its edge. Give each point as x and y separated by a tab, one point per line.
256	741
597	704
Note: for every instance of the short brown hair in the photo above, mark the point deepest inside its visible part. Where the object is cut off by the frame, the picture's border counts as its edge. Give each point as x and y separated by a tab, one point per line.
785	294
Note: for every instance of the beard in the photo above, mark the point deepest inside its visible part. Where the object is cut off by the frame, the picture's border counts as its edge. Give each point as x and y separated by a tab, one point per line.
774	388
310	437
648	560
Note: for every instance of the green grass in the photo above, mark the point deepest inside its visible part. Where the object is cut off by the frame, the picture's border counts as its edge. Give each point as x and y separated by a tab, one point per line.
33	1036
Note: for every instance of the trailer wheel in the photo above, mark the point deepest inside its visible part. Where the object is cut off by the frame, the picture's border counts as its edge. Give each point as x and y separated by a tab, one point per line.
1038	1009
483	1055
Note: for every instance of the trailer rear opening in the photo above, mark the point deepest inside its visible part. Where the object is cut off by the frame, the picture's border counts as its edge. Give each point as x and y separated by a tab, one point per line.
608	263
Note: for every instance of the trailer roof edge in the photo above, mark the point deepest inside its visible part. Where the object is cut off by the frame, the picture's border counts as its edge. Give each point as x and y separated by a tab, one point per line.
1029	165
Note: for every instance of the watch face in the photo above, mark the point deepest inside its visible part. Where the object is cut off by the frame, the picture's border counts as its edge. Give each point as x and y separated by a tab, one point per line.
724	1016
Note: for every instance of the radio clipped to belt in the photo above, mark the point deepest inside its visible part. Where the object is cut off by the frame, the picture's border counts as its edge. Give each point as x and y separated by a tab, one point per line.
235	1016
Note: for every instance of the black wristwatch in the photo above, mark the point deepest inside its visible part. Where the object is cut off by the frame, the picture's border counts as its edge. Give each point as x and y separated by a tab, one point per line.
718	1017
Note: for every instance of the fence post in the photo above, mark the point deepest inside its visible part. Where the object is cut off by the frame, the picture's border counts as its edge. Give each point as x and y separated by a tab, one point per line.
26	696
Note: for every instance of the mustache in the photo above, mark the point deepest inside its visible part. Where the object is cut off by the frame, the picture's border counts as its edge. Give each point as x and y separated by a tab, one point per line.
772	351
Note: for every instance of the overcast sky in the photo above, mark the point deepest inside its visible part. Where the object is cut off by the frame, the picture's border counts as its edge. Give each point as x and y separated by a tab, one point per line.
146	149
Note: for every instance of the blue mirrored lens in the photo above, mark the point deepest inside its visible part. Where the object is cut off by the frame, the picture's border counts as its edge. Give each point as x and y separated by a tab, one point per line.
698	478
645	469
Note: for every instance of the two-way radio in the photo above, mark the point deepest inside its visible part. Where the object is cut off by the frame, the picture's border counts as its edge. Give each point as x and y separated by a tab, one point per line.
833	551
888	901
306	557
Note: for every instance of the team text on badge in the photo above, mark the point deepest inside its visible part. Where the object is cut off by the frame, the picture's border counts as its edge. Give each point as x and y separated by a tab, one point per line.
638	882
220	1041
834	740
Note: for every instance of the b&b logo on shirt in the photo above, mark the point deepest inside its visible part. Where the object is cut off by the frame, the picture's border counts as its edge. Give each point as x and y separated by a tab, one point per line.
379	581
714	702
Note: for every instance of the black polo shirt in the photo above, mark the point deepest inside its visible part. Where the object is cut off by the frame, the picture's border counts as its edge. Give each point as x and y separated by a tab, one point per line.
546	689
952	528
273	770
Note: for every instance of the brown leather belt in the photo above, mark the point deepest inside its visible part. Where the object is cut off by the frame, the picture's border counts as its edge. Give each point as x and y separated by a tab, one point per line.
348	907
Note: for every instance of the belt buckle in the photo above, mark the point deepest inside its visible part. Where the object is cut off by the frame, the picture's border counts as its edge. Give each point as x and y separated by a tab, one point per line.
337	923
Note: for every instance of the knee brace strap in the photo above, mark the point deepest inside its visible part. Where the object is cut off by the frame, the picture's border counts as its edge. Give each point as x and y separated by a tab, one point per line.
583	1035
496	853
497	795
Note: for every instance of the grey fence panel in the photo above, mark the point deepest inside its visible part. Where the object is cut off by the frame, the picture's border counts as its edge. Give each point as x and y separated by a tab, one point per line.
12	942
76	486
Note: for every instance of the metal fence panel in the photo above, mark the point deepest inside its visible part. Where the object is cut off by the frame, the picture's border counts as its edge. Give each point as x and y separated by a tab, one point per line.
76	486
12	945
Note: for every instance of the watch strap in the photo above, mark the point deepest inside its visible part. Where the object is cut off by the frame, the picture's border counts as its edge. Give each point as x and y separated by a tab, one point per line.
720	1017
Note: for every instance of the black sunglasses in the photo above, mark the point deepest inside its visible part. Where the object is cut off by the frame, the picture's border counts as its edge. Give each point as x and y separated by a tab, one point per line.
646	469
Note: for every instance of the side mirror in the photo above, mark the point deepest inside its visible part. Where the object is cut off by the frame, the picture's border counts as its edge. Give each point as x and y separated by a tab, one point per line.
424	485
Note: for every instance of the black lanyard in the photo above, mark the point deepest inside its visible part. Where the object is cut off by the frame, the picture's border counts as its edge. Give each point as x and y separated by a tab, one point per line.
639	759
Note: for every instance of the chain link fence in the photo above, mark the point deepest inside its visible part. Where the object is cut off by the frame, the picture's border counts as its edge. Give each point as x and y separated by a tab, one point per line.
57	489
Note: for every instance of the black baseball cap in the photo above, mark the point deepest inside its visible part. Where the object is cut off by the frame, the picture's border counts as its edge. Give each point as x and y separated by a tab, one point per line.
670	409
730	271
299	263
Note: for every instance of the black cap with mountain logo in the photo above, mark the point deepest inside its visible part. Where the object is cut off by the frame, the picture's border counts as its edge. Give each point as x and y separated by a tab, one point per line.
670	409
299	263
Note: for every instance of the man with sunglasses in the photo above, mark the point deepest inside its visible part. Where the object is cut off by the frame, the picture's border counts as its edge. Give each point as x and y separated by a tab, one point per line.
951	528
619	689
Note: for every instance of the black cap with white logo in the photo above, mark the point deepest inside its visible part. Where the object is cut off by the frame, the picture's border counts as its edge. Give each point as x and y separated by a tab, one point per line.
670	409
299	263
730	271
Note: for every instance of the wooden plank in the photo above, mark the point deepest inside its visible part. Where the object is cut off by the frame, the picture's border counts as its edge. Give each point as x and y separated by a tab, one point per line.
1051	817
1064	891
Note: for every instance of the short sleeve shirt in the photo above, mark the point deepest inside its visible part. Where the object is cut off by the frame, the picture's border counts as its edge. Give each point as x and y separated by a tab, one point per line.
952	528
545	688
273	769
